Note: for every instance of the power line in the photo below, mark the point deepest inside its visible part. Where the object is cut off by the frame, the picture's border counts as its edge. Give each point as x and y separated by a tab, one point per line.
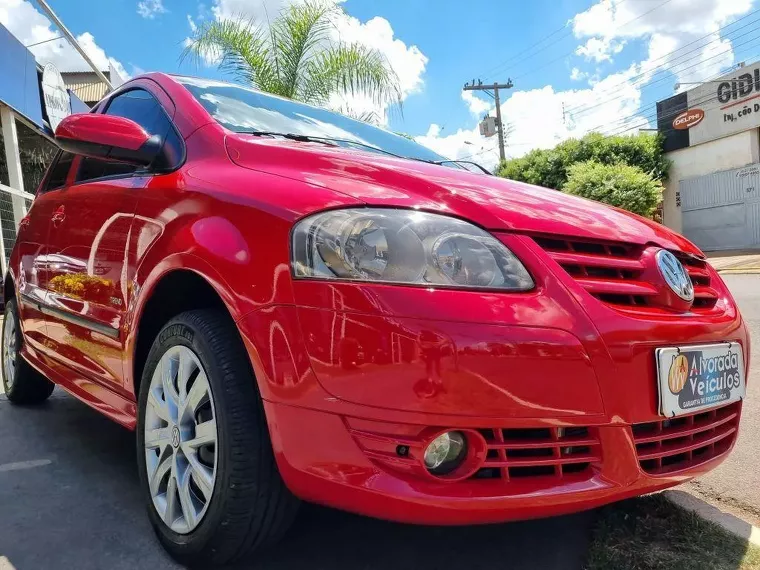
518	54
474	154
684	69
568	32
537	69
666	77
44	41
649	73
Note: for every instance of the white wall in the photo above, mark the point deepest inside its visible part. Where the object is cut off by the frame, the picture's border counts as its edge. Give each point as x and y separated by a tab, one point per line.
722	154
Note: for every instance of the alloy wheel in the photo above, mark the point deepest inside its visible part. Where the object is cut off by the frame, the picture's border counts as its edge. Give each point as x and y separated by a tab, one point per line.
180	440
9	349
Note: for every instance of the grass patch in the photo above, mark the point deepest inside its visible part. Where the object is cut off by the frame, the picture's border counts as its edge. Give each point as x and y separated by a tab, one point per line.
651	533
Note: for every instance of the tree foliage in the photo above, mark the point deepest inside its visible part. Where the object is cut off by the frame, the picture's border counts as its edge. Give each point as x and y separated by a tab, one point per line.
296	56
620	185
550	168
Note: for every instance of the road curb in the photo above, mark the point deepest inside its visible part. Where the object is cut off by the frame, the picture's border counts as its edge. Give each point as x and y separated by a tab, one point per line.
727	521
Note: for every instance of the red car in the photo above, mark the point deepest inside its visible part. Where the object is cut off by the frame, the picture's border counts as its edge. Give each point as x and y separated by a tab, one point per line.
287	305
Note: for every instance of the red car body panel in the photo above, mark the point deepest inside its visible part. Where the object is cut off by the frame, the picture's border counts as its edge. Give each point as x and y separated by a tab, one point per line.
350	372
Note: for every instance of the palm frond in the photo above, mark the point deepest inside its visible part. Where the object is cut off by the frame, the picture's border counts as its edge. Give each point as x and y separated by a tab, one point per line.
371	117
354	69
237	47
299	31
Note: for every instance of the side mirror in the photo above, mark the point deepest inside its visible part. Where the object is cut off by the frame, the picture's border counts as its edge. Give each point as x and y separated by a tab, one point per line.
107	137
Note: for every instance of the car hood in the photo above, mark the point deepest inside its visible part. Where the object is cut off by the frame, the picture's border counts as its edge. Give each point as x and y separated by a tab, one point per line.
494	203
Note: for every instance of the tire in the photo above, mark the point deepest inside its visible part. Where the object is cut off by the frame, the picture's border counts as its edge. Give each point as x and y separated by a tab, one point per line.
22	384
249	505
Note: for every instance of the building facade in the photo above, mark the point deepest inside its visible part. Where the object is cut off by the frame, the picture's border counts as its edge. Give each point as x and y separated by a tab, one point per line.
712	137
33	99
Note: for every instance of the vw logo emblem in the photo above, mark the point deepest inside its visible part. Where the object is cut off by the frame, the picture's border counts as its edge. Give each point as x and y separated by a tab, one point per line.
175	437
675	275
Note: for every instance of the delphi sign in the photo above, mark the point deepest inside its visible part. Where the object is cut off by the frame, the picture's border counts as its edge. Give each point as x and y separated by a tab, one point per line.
715	109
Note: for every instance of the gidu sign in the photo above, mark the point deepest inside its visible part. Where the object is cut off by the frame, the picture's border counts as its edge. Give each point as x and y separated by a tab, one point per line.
713	110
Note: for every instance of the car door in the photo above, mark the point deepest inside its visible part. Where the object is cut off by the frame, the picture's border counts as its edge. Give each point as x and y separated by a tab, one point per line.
32	270
89	235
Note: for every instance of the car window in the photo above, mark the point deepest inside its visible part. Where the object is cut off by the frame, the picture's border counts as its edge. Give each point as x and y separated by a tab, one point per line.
141	107
241	109
59	171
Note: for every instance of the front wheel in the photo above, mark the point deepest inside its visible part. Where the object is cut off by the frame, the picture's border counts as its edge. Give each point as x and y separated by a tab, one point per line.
206	464
22	383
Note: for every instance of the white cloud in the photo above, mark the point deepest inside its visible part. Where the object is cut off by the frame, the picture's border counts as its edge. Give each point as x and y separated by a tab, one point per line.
600	49
150	8
578	75
192	24
30	27
478	107
665	27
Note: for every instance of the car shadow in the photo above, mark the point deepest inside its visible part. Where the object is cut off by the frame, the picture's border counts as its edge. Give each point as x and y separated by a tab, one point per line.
84	509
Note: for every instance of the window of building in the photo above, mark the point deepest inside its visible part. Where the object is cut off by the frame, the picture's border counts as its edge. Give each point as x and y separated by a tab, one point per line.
3	163
60	171
36	153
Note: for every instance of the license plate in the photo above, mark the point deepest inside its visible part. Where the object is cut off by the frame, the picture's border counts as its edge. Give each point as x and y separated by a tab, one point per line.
694	378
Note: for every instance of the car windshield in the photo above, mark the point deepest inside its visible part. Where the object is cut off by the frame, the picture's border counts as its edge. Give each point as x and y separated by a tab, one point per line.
245	110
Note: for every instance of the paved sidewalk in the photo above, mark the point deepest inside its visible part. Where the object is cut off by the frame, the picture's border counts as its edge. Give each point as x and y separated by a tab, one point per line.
741	262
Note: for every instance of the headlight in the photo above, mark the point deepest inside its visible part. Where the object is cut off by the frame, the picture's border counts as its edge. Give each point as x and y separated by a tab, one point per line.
403	246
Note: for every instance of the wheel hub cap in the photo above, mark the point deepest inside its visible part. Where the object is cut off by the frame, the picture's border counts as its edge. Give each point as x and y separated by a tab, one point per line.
9	349
180	440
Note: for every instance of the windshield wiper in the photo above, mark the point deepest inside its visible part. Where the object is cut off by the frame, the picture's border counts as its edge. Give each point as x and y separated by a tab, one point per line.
448	161
331	141
325	140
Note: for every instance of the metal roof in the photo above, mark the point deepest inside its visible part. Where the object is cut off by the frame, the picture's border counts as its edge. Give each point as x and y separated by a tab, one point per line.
86	85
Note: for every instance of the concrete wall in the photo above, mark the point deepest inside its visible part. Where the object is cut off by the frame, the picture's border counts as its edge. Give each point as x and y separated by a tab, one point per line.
722	154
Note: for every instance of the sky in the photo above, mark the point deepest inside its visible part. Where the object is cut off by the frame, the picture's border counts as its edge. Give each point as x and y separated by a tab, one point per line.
576	65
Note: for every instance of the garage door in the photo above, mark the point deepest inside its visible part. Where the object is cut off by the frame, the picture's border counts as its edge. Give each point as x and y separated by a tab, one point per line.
722	211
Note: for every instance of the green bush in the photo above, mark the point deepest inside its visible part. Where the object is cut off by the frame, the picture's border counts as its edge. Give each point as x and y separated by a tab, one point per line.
621	185
550	168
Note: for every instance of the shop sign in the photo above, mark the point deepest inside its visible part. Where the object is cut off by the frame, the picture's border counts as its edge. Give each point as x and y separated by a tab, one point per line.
55	95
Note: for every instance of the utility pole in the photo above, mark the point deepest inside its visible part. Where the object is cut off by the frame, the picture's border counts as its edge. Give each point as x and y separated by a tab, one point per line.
493	91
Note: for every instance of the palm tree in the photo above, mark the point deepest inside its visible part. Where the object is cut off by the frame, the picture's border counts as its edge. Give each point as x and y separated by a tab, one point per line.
295	56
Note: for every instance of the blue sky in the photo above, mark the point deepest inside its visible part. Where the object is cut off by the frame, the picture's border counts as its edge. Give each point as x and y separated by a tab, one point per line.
605	61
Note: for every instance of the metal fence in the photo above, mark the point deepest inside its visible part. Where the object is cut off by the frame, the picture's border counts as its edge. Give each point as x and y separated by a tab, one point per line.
25	152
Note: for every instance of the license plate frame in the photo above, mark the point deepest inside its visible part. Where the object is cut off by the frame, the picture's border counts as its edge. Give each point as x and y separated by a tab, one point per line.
713	376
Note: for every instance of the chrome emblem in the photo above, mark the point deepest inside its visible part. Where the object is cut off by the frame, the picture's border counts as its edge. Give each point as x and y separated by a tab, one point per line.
175	437
675	275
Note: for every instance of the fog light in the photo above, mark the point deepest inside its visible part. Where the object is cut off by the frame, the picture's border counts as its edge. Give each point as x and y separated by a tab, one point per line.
446	452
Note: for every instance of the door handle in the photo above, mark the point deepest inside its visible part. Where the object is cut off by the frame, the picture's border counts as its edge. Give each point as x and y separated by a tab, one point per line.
58	216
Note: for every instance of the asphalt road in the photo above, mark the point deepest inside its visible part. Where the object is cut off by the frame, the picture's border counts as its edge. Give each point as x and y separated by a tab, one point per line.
737	480
69	498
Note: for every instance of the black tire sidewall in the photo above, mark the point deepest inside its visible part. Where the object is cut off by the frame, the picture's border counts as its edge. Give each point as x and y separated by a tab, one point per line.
182	332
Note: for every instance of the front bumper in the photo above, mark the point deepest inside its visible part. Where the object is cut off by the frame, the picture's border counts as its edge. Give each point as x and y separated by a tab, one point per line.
323	461
351	372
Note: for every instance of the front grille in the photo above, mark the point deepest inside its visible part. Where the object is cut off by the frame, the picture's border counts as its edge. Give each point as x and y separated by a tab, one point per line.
612	272
666	446
512	454
539	452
